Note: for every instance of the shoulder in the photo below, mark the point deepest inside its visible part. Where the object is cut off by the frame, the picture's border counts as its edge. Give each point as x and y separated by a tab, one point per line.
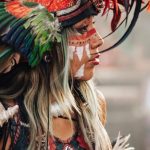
103	106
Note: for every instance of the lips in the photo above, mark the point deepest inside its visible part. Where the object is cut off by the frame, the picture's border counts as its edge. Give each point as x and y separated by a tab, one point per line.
95	60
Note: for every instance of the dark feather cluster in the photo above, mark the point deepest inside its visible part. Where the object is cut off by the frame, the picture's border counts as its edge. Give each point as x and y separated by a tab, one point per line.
118	7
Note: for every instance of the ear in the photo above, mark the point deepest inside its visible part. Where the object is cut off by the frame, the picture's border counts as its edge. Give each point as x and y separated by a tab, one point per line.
16	57
10	63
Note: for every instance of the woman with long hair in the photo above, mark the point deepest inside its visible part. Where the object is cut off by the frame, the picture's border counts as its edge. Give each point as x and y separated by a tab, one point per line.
48	53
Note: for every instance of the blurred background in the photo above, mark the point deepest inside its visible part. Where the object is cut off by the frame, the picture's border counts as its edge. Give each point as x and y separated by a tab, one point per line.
124	78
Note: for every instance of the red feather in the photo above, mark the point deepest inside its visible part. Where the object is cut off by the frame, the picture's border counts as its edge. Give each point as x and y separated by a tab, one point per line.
107	6
17	9
116	12
116	18
148	7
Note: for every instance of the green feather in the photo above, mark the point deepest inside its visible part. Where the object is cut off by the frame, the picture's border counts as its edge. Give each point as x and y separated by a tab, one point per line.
33	53
5	54
34	57
4	17
2	11
35	61
6	21
28	40
2	4
44	48
15	20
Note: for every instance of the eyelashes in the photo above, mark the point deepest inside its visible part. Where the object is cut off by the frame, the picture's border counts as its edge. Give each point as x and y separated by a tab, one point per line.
83	29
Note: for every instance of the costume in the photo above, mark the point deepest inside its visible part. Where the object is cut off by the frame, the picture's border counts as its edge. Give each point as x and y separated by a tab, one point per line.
33	28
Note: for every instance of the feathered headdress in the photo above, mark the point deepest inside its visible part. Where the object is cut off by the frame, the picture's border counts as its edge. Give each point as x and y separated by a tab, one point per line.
31	26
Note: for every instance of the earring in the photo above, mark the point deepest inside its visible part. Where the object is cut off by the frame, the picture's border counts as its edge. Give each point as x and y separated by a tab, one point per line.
13	62
47	57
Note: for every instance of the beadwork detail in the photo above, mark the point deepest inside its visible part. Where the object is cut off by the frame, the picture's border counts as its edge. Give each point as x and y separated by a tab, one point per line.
76	142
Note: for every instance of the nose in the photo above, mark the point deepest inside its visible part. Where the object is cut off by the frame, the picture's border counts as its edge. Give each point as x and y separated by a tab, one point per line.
96	41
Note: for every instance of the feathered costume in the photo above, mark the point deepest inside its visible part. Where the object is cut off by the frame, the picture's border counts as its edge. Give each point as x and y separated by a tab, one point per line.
30	27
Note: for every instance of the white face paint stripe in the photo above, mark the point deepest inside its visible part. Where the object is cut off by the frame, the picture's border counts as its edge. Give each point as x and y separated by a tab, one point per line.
71	50
87	49
80	72
79	52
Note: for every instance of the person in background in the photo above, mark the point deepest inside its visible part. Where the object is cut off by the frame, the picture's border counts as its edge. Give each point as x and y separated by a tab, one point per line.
48	53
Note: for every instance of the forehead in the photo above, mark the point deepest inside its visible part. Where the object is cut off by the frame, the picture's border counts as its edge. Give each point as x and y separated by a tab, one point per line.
84	22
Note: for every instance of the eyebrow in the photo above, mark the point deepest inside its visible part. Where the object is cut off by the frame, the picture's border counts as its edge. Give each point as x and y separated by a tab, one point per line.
80	25
83	24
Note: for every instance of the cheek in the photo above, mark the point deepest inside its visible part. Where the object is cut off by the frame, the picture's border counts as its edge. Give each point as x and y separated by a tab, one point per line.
87	49
84	73
80	72
71	50
82	52
79	56
76	55
76	52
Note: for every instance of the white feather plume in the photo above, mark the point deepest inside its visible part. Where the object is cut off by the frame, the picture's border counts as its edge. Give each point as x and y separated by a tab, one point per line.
6	114
121	143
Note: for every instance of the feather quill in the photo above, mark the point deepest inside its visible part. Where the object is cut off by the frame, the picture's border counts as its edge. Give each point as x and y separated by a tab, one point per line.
121	143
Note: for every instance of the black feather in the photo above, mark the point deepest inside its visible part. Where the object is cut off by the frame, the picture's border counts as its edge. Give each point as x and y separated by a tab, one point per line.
130	28
21	38
13	29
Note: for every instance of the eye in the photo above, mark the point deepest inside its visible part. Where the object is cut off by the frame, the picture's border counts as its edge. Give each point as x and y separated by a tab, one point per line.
93	22
82	30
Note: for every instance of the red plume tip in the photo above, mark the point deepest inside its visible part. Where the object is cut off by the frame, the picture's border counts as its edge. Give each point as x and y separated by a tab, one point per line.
148	7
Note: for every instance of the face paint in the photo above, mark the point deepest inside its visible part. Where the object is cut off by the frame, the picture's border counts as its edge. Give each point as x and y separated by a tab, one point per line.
87	49
80	72
79	45
83	44
79	52
71	50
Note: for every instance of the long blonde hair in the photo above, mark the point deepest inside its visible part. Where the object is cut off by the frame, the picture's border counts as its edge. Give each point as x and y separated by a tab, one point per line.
51	82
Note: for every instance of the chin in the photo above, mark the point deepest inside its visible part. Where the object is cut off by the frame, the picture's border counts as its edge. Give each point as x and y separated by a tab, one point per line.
85	78
87	75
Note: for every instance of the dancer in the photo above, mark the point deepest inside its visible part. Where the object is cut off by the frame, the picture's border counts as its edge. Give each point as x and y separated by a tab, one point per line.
48	53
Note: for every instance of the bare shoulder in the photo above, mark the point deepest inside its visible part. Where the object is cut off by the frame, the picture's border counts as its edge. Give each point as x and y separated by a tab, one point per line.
103	105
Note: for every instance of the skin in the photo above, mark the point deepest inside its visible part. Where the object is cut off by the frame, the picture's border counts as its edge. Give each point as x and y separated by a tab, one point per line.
83	49
12	61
